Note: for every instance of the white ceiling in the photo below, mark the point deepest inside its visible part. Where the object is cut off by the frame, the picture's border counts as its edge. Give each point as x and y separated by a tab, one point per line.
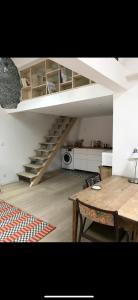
24	61
130	63
101	106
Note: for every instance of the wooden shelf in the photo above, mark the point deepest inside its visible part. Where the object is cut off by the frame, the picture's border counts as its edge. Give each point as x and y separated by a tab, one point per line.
26	87
78	76
48	77
66	83
38	86
79	80
26	93
52	72
39	91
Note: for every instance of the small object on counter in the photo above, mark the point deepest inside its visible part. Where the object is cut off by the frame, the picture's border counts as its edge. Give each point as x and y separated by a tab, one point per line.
105	145
79	143
92	143
96	187
70	145
97	144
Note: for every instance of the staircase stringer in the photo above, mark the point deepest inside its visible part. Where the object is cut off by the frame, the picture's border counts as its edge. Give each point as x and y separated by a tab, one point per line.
52	155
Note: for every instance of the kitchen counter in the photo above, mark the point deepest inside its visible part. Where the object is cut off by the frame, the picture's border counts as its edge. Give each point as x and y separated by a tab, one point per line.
105	149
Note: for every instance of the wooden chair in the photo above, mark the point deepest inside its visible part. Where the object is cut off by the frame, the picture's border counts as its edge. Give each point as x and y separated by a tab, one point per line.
104	225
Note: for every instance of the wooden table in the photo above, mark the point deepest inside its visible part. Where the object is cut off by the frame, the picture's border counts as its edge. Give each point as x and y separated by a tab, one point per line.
116	194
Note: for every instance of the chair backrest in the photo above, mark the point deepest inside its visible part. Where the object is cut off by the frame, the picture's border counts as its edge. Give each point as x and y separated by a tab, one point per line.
93	179
97	214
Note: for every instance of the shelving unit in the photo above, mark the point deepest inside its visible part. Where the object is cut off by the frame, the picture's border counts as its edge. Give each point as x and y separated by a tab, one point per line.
48	77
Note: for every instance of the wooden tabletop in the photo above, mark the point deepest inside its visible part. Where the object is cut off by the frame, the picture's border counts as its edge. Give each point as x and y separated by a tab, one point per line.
116	194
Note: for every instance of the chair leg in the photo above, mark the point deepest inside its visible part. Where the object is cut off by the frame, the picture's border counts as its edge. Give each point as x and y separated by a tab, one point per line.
82	224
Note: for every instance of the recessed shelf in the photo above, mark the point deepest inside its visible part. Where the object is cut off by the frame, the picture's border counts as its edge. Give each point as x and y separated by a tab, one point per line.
51	65
78	76
53	82
26	93
48	77
66	83
65	74
39	91
38	76
79	80
25	78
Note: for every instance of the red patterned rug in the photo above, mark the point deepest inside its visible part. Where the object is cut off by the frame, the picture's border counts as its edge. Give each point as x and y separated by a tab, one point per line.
19	226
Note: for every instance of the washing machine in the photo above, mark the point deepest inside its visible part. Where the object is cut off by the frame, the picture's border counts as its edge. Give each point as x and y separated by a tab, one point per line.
67	158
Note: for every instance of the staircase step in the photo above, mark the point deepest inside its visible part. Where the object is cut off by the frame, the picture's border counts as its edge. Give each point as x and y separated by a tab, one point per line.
33	166
40	161
43	150
59	121
43	158
48	143
27	175
52	136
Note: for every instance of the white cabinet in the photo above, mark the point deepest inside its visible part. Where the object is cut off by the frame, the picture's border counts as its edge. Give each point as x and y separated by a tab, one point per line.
80	164
87	159
107	159
93	165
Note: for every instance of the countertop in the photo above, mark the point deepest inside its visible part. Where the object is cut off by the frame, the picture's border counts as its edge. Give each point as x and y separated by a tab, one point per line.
93	148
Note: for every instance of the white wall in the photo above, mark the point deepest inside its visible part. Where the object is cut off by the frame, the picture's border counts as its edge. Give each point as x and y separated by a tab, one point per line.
125	131
92	128
19	136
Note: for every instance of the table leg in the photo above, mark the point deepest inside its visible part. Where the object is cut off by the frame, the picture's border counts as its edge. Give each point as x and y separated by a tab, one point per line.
75	222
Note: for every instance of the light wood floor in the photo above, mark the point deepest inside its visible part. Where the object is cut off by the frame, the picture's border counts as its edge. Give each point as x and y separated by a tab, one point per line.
47	201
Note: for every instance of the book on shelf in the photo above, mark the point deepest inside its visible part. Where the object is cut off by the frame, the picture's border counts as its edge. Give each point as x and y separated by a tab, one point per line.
63	75
51	87
25	82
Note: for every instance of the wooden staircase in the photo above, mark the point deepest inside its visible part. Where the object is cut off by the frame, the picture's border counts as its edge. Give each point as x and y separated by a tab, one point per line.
35	170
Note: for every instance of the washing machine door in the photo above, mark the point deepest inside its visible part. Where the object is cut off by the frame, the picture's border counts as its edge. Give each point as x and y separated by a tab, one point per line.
67	158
